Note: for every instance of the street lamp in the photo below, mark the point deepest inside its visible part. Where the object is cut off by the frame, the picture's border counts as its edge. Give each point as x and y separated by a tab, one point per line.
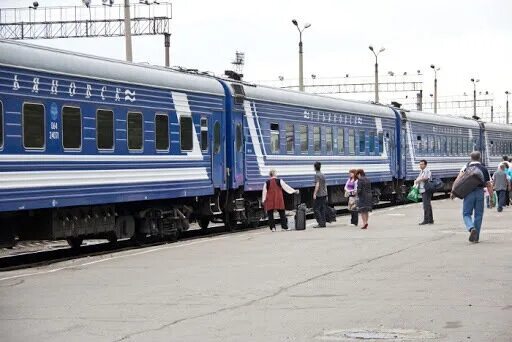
435	85
376	71
507	93
301	70
475	81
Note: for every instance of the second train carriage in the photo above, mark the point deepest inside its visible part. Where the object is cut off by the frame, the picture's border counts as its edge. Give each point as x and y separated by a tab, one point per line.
496	142
289	131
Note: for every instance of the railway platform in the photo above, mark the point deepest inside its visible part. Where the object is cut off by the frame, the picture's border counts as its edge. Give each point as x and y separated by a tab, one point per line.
395	281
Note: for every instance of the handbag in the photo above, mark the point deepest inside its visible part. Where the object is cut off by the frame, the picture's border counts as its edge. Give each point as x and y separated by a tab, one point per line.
434	185
352	203
414	194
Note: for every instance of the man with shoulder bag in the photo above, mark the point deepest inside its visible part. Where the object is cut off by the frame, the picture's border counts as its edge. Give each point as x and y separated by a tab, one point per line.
426	196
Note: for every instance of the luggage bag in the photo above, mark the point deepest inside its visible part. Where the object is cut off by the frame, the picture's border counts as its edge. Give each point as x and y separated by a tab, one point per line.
330	215
300	217
468	181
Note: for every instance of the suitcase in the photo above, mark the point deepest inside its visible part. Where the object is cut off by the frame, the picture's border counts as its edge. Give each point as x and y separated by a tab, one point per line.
472	178
300	217
330	215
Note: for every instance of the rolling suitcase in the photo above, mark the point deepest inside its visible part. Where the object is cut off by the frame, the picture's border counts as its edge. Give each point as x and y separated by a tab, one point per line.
330	214
300	217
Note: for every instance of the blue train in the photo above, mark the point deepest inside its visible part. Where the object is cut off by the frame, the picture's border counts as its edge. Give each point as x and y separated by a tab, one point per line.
93	147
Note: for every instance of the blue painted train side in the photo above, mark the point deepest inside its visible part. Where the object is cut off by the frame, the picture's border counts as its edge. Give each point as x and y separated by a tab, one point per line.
187	147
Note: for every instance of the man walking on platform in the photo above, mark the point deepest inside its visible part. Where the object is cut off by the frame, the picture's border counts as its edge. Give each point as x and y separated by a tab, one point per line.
426	196
500	182
272	198
320	196
474	201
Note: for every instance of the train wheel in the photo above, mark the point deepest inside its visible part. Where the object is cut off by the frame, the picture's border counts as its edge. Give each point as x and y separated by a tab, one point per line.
112	238
75	242
204	222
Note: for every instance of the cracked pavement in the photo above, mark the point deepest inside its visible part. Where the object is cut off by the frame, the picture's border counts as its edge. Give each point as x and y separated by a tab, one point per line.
282	286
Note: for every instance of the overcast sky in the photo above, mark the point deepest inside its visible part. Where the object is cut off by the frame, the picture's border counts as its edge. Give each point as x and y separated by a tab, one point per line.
466	38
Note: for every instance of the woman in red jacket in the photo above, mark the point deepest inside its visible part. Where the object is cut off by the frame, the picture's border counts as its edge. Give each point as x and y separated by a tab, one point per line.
272	198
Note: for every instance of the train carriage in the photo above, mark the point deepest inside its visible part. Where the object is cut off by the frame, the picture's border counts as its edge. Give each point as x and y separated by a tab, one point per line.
82	134
497	142
289	131
444	141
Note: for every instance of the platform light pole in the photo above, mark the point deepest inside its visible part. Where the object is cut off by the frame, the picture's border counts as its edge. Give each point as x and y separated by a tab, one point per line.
506	106
127	31
376	54
475	81
435	85
301	70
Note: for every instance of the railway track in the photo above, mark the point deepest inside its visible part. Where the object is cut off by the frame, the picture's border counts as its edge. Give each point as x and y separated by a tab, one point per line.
38	253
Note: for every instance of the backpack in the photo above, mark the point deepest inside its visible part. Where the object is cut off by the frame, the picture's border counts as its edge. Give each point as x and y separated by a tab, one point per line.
434	185
471	178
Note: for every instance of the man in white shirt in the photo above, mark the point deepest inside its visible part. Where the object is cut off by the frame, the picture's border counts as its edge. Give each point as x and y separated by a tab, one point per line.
426	196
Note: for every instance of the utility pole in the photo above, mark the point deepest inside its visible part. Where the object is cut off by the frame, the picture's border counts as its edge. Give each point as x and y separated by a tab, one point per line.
301	67
376	72
435	86
475	81
127	31
167	43
507	113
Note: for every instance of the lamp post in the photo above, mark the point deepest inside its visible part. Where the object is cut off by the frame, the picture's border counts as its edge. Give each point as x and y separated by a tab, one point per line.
127	31
376	54
301	70
34	7
475	81
435	85
506	106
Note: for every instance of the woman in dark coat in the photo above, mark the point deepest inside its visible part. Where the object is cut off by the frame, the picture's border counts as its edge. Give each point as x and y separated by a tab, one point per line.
364	197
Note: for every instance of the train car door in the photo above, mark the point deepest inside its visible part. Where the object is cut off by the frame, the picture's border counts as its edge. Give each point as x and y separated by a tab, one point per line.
218	152
238	150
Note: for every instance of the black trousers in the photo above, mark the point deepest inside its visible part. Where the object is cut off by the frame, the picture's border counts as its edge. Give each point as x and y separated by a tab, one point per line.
354	217
426	198
320	208
507	198
282	216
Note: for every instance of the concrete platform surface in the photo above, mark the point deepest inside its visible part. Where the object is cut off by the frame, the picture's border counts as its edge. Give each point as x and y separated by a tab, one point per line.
395	281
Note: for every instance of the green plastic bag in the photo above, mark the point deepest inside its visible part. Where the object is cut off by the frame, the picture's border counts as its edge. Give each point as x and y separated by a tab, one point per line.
414	194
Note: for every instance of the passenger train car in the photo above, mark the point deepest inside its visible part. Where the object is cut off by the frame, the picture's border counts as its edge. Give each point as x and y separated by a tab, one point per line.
94	147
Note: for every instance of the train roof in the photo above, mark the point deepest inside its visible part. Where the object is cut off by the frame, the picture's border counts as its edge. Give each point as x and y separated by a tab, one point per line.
492	126
34	57
447	120
296	98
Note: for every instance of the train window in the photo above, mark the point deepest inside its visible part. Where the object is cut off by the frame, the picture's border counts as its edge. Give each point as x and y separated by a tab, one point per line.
418	143
351	141
362	142
425	144
204	134
371	137
317	143
161	132
239	138
186	129
105	129
71	128
430	140
381	143
304	143
1	125
460	146
328	139
464	145
33	125
443	145
341	140
216	137
454	146
438	144
274	138
290	143
135	131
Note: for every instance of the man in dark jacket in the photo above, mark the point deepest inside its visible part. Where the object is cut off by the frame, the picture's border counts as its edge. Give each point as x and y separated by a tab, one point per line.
320	196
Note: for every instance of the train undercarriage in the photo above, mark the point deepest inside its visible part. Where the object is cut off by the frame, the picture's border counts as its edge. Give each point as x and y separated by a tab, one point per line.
166	219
